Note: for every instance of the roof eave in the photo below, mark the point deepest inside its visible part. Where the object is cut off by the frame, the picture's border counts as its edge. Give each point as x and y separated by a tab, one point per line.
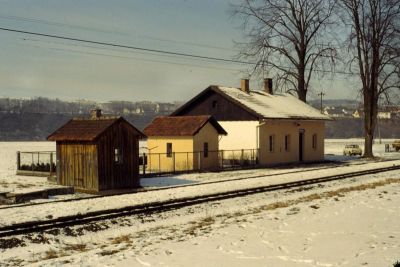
297	118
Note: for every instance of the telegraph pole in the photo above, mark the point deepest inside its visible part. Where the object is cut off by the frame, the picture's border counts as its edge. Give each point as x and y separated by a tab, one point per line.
322	94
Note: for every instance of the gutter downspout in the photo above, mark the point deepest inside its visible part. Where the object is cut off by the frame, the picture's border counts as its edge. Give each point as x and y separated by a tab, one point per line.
258	139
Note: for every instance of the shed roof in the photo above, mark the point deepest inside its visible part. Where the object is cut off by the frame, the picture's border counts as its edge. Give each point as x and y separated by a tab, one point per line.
78	129
181	126
263	105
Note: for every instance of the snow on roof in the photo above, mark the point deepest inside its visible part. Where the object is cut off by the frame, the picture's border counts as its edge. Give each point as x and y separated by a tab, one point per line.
276	106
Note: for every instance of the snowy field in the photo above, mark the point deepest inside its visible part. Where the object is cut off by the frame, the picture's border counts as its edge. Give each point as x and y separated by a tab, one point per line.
343	223
9	182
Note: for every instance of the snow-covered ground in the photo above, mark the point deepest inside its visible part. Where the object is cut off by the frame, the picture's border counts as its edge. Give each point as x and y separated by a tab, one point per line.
9	182
342	223
59	209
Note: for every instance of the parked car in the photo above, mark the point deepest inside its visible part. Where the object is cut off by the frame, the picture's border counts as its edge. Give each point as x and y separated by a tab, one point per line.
396	145
352	150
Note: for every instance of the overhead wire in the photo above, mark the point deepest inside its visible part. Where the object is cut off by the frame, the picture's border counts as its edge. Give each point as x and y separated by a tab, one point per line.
134	58
59	24
157	51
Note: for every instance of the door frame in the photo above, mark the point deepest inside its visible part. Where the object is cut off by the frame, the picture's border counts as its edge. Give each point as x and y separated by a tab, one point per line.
301	144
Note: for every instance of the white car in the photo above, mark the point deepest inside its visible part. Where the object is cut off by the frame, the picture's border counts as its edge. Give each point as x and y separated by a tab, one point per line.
352	150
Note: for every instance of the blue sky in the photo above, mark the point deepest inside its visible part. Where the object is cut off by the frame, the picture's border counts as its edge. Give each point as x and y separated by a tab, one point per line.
36	66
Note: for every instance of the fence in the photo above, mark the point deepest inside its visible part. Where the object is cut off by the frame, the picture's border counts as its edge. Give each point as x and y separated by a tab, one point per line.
44	162
36	162
175	162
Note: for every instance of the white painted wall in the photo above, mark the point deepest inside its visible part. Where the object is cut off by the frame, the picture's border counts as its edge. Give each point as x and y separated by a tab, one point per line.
241	135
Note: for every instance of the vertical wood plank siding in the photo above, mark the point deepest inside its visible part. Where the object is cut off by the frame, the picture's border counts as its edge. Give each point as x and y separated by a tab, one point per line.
217	106
113	175
78	165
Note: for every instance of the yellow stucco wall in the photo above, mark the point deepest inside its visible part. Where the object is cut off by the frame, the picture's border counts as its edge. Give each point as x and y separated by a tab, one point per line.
157	160
209	135
279	129
187	151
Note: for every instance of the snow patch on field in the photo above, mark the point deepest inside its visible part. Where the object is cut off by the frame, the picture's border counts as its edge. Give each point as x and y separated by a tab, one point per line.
342	228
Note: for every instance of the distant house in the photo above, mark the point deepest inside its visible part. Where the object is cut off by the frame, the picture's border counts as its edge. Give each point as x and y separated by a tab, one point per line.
385	115
281	127
183	143
97	154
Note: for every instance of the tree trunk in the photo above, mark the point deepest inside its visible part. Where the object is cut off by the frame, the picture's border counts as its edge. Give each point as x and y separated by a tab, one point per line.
301	86
370	112
369	140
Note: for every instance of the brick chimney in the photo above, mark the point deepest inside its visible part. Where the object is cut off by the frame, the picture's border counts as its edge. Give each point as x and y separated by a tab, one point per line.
268	86
95	114
244	85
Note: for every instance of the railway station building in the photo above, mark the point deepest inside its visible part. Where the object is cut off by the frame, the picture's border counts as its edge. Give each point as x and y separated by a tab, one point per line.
282	128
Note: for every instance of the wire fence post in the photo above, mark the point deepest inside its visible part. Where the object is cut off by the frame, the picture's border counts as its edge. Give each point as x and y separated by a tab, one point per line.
144	164
222	159
199	160
51	163
187	161
18	160
242	158
173	160
159	162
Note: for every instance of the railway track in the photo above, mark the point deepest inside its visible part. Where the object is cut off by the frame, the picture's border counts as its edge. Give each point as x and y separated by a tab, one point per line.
332	165
157	207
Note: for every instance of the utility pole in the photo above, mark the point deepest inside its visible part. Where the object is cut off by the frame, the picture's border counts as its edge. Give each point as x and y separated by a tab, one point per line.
322	94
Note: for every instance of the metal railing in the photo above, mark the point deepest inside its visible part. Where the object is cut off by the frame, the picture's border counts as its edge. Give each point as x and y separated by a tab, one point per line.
179	162
36	162
40	162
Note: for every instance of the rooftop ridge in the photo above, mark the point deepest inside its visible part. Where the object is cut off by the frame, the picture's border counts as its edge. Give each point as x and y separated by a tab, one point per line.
96	119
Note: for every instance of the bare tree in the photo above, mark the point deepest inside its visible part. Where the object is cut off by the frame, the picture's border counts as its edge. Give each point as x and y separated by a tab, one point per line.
374	42
287	36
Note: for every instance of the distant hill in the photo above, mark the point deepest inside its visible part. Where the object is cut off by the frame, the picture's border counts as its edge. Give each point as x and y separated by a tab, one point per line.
35	119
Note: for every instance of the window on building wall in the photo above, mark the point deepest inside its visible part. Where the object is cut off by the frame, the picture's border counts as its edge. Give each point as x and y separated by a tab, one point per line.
287	142
314	141
215	104
169	150
271	143
205	150
118	156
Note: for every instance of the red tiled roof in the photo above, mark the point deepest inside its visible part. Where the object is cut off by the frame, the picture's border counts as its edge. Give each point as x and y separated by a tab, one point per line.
85	129
181	126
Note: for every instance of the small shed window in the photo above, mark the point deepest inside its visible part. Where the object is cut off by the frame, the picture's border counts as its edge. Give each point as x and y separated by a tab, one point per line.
287	142
169	150
314	141
271	143
118	156
205	150
215	104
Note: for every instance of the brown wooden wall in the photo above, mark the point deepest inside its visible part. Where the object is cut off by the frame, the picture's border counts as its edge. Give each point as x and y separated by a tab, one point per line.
111	174
224	110
77	165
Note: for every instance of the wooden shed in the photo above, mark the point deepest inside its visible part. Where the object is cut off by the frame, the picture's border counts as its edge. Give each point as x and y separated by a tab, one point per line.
97	154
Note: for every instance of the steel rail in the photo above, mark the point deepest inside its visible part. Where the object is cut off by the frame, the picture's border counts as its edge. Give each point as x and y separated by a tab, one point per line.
158	207
333	165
